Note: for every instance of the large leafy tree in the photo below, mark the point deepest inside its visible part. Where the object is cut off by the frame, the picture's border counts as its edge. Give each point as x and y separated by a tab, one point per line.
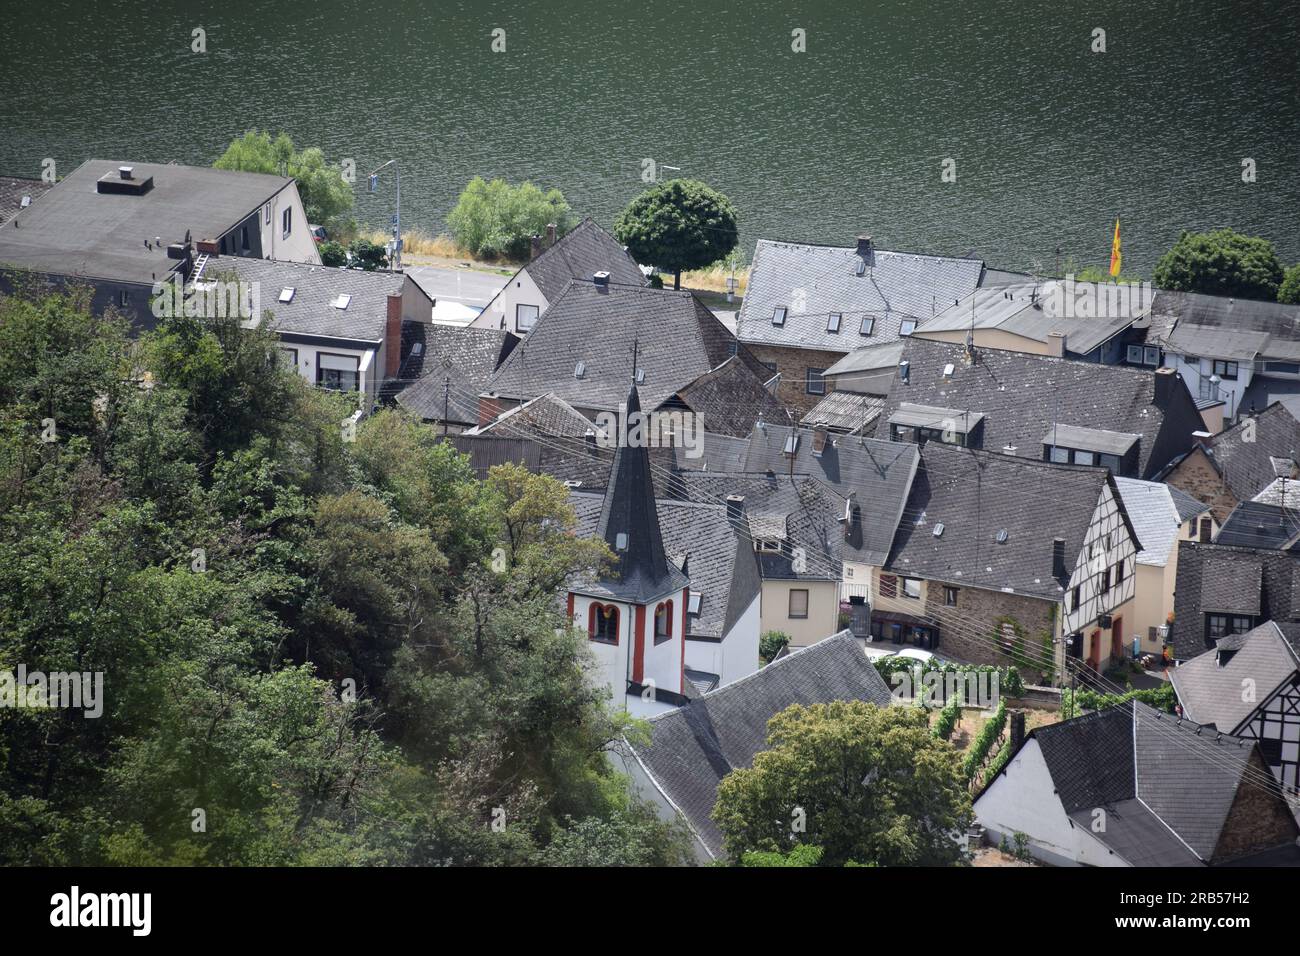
678	224
1221	262
865	784
1289	291
326	196
312	650
497	219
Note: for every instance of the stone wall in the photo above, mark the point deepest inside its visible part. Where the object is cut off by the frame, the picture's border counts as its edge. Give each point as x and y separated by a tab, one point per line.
793	364
966	631
1196	476
1258	820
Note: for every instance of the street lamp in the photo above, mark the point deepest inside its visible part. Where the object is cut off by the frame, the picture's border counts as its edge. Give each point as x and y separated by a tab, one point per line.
659	173
397	219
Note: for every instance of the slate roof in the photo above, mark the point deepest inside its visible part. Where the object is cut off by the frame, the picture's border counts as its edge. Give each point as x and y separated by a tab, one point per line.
543	415
896	285
1022	395
1032	310
1254	524
1228	579
579	254
975	495
728	400
311	310
692	748
1155	517
1167	790
846	412
678	340
1207	323
801	510
1188	507
75	230
12	191
1243	453
718	560
868	358
876	474
1209	686
467	357
629	524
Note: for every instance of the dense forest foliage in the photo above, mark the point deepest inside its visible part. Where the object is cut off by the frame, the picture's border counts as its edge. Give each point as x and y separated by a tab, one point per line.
318	645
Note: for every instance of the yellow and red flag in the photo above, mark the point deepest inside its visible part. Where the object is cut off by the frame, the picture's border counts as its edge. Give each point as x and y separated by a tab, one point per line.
1116	258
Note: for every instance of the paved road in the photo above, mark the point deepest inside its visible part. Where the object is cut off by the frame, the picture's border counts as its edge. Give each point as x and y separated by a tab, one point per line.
466	286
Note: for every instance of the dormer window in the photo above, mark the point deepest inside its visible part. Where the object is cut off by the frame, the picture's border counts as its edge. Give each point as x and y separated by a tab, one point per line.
833	322
778	316
868	326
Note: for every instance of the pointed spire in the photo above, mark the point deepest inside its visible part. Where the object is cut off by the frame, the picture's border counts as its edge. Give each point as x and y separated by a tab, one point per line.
629	520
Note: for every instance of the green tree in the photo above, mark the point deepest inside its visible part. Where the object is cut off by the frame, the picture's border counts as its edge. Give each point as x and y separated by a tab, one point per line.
678	224
1221	262
497	220
370	256
863	783
326	196
1289	291
332	253
770	644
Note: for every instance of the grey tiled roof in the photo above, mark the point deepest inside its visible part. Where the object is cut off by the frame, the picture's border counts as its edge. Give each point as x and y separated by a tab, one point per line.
811	513
677	339
75	230
1210	688
846	412
1254	524
1205	341
885	355
1243	453
720	563
1130	757
975	495
579	254
13	190
876	474
1243	579
730	398
1032	310
692	748
1155	517
311	312
1243	325
1188	507
897	285
1021	396
464	356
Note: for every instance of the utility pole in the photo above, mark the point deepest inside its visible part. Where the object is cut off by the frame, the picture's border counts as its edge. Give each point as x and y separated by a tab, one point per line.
446	401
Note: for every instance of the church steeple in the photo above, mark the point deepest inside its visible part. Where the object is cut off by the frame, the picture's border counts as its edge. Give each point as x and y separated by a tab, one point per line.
629	520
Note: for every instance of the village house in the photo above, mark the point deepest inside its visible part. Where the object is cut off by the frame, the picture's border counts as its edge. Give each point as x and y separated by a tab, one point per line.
808	306
1162	516
445	368
1131	421
1131	786
1248	686
582	349
1001	559
1241	462
1086	321
585	251
1226	589
1233	350
121	228
693	747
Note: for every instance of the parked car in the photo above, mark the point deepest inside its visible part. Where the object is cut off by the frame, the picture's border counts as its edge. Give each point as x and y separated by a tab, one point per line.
916	654
318	233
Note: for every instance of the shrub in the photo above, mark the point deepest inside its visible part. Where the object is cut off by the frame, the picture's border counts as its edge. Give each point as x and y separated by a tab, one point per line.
496	220
770	644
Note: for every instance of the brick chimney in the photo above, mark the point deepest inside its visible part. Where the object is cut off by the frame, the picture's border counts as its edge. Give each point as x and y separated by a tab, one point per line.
1017	723
864	246
819	439
735	507
1056	344
489	407
550	234
534	247
393	336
